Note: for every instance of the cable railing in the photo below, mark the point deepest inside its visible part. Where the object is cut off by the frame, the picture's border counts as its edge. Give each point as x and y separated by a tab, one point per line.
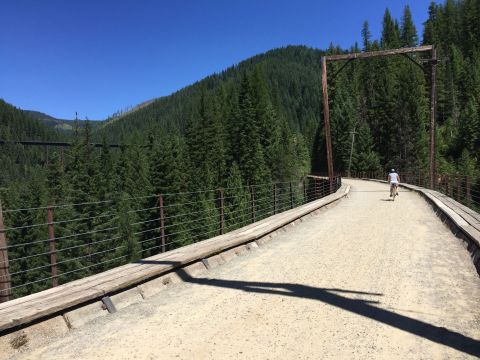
45	246
463	189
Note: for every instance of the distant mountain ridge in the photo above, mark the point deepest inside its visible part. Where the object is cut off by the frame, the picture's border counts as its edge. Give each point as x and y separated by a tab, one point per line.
62	125
290	72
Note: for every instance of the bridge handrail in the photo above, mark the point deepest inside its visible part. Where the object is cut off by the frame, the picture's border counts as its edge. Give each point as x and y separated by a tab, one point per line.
60	299
465	189
44	246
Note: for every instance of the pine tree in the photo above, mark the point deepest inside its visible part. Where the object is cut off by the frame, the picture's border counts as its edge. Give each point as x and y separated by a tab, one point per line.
390	32
366	36
408	34
251	156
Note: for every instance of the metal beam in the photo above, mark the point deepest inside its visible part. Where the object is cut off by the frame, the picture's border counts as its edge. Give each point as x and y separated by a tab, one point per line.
338	71
379	53
52	143
433	111
415	62
326	120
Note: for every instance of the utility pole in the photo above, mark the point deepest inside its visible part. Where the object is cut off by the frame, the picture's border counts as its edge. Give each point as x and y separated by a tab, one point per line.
351	150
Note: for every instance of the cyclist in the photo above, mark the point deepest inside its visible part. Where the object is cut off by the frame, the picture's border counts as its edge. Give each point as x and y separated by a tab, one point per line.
394	180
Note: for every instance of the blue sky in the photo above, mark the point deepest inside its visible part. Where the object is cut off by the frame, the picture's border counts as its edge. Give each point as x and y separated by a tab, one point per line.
99	56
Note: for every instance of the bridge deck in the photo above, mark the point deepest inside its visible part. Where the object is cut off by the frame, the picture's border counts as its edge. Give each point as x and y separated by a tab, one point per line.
369	278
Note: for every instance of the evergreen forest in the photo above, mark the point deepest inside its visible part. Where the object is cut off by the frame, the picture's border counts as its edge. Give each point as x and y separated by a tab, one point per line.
257	123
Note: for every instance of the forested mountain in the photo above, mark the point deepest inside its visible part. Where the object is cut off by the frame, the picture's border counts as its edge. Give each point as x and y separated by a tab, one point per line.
265	114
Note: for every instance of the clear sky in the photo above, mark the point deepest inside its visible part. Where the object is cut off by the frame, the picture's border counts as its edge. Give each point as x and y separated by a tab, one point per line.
100	56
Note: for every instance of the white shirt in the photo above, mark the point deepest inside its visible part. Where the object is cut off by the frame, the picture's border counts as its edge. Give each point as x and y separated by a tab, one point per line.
393	178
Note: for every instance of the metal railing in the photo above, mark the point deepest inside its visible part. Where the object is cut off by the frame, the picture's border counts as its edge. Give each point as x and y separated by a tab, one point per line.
45	246
463	189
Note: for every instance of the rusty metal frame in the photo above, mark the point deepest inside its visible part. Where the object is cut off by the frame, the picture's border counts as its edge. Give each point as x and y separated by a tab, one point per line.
404	52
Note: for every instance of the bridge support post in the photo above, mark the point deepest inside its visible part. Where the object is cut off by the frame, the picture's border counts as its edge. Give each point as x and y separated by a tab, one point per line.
47	157
62	158
52	245
162	223
5	280
326	120
221	194
433	110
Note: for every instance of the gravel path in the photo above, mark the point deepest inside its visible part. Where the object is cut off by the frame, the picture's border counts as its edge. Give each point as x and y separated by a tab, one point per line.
368	278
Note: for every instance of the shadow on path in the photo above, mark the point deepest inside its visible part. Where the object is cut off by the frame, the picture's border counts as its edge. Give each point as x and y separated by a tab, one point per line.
360	307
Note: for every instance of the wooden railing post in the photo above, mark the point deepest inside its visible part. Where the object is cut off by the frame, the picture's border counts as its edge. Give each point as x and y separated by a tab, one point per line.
274	198
162	223
5	280
291	196
53	250
252	196
222	211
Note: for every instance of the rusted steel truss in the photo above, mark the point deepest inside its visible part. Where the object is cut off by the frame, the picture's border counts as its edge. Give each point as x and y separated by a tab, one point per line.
404	52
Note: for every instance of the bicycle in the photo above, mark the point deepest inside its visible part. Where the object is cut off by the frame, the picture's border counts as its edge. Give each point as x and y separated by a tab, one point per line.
393	190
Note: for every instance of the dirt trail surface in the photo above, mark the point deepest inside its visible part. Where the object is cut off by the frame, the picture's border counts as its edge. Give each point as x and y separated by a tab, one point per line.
366	279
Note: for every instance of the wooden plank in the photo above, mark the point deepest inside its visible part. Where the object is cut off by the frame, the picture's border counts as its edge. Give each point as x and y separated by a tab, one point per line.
24	315
457	208
455	214
368	54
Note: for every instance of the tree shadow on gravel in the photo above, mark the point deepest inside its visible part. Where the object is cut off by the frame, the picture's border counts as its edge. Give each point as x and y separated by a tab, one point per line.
334	297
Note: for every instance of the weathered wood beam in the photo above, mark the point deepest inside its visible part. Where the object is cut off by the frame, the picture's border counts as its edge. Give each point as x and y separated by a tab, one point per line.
379	53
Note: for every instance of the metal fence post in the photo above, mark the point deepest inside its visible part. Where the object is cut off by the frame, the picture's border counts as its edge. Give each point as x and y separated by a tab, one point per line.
274	198
468	192
162	223
450	187
53	250
222	212
305	194
252	195
459	190
291	196
5	280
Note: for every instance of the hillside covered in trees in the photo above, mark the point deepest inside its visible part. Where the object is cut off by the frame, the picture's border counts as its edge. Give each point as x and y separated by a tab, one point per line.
256	123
